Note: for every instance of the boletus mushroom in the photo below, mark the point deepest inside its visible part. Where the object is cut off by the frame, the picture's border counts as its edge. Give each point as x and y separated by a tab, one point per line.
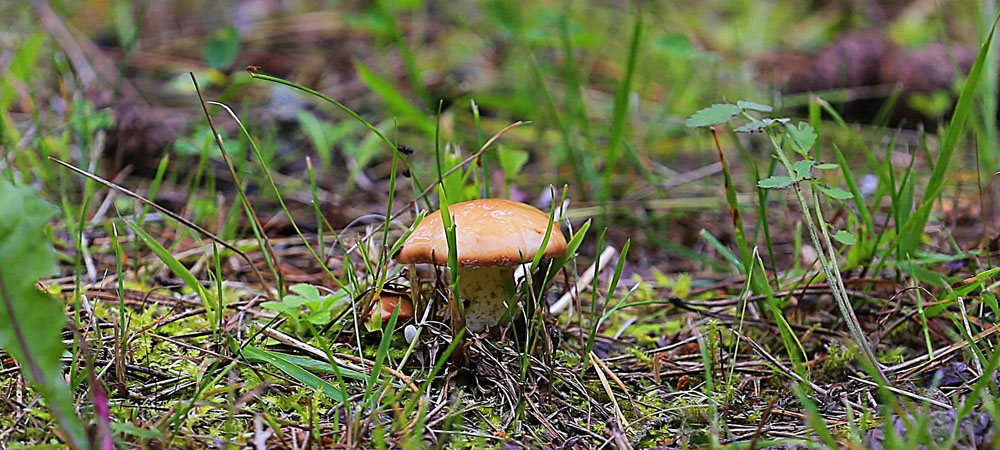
493	236
387	303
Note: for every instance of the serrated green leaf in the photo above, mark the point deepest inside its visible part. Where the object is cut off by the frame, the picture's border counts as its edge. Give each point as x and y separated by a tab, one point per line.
845	237
222	48
803	137
803	169
713	115
31	322
759	125
754	106
835	192
775	182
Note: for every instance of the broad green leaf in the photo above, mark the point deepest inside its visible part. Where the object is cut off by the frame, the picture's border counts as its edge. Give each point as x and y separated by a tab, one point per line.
222	48
845	237
775	182
803	137
835	192
31	322
713	115
754	106
293	370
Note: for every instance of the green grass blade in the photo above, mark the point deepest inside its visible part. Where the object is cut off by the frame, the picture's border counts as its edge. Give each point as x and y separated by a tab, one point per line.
178	269
909	237
620	113
295	371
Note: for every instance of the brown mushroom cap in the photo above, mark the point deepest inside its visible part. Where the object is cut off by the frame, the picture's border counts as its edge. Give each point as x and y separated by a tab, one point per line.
489	232
387	304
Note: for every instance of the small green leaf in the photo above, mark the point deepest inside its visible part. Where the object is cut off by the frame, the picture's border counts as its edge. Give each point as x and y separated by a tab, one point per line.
775	182
835	192
759	125
845	237
511	161
803	169
713	115
222	48
827	166
754	106
803	137
305	290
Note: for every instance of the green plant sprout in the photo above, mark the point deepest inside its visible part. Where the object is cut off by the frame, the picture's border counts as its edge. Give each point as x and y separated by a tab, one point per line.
801	138
319	309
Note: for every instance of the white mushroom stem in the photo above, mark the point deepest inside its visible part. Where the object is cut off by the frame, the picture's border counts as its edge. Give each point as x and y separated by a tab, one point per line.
482	290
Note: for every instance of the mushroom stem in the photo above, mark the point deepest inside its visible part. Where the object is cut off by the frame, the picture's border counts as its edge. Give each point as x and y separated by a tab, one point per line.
482	290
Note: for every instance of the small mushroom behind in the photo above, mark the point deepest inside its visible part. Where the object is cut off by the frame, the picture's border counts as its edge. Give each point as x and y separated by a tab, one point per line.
387	304
492	236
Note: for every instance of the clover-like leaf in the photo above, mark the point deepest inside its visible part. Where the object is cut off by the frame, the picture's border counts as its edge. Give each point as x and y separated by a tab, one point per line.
754	106
713	115
845	237
835	193
803	169
759	125
803	137
775	182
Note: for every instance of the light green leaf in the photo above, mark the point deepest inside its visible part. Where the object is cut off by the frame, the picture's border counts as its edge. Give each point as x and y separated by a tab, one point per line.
713	115
775	182
222	48
827	166
845	237
835	192
803	169
306	291
803	137
511	161
754	106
